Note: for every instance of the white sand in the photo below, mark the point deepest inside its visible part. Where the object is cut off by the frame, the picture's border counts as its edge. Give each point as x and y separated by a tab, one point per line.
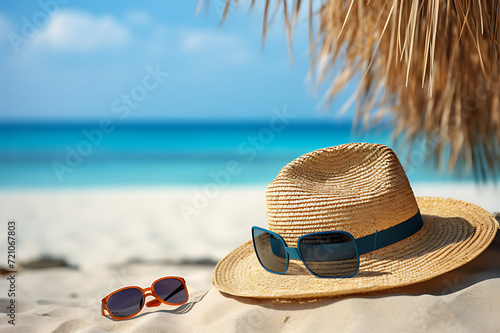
65	300
91	228
94	229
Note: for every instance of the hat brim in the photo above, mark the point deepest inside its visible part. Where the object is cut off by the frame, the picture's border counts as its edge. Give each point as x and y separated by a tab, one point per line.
454	233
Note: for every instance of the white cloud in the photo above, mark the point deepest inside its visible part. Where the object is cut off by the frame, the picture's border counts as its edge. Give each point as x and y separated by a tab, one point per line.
138	17
82	32
216	43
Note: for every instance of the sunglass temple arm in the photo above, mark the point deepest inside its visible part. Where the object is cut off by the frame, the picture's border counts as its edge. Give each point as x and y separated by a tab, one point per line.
104	306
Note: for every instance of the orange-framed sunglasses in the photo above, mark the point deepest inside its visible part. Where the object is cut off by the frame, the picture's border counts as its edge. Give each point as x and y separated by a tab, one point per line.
126	302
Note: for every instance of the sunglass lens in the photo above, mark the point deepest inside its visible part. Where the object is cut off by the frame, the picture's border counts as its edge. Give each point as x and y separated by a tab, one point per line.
126	302
171	290
330	254
270	250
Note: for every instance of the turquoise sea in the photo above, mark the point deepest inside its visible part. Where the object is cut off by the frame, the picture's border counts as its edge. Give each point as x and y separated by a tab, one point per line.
109	154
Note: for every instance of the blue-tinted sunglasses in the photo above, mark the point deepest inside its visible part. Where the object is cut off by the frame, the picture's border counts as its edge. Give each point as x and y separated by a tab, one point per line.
328	254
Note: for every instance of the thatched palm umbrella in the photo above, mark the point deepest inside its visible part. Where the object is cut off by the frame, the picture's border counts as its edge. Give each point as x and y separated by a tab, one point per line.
433	64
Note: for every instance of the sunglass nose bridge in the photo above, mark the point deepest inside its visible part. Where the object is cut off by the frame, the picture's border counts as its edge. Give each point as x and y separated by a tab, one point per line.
153	303
293	253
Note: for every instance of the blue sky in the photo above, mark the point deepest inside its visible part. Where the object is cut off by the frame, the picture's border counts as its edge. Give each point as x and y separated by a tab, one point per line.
72	61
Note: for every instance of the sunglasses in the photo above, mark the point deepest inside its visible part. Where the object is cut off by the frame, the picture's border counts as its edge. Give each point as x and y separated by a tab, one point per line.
328	254
129	301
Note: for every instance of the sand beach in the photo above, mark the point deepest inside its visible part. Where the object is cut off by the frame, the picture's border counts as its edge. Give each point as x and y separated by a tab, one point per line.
117	237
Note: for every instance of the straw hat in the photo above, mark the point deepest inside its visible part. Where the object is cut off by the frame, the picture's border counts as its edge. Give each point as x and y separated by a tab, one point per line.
358	188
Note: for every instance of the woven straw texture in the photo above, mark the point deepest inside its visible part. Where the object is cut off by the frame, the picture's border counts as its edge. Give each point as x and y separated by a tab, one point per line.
359	188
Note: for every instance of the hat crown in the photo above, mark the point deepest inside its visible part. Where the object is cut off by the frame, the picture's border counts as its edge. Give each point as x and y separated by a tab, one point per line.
359	188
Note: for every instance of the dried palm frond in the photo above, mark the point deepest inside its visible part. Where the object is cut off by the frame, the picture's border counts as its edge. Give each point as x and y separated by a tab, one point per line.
432	64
